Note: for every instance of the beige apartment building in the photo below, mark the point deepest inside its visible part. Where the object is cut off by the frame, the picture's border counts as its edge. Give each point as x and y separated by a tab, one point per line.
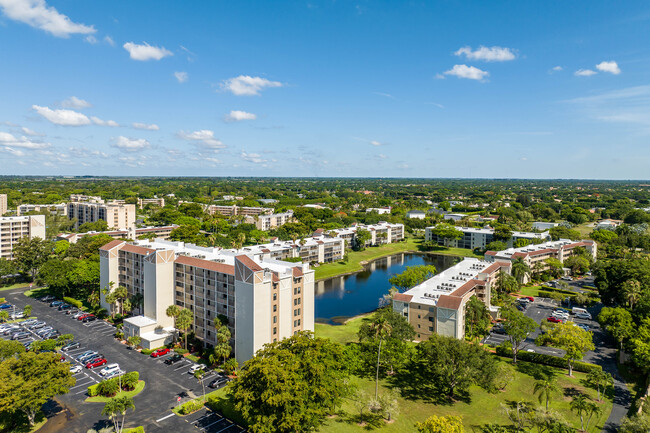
3	204
268	222
238	210
53	209
161	232
142	202
14	228
117	215
264	300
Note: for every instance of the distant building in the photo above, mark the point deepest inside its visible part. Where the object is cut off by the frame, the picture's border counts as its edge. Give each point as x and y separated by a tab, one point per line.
14	228
479	238
454	216
543	226
53	209
380	210
133	233
380	233
116	215
417	214
3	204
79	198
142	202
267	200
315	249
608	224
268	222
237	210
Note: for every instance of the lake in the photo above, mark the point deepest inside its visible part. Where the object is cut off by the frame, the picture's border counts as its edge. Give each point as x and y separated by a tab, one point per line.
339	298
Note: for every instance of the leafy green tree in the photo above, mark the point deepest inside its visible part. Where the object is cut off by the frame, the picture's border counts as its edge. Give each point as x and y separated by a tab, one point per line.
117	407
603	236
10	348
561	232
361	238
200	375
447	232
640	344
55	273
477	318
546	389
639	423
230	366
184	321
574	340
517	327
27	310
4	315
441	424
96	226
502	233
578	264
29	380
554	267
496	246
291	385
505	283
94	299
31	254
412	276
520	270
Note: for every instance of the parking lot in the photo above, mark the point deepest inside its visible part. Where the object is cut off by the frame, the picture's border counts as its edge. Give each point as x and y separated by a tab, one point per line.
210	422
164	383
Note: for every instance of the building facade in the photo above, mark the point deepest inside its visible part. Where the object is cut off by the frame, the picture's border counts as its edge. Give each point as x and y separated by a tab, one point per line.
543	225
133	233
316	249
479	238
117	215
13	229
53	209
268	222
142	202
233	210
3	204
264	300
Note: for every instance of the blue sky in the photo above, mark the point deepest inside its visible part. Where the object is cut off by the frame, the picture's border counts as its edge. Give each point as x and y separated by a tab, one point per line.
522	89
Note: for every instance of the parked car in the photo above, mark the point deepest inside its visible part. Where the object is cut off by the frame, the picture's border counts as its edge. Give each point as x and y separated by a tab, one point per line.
64	307
75	369
11	329
173	359
160	352
553	319
78	314
110	368
114	374
530	298
90	357
560	315
96	363
55	303
84	354
37	325
196	367
21	335
83	316
89	318
44	330
72	311
71	346
498	329
585	316
218	382
51	334
523	300
17	315
521	307
47	298
5	306
28	322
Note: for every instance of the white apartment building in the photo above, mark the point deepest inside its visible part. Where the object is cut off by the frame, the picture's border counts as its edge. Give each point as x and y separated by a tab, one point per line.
380	210
479	238
543	225
117	215
263	300
268	222
3	204
53	209
14	228
238	210
417	214
161	232
315	249
437	306
142	202
454	216
79	198
381	233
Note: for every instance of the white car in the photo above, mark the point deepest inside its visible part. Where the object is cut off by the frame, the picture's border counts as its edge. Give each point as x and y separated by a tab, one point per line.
195	368
560	315
114	374
75	369
17	315
110	368
586	316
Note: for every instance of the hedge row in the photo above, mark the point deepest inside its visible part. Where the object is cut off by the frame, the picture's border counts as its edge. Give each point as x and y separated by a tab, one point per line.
109	387
555	289
73	301
553	361
190	407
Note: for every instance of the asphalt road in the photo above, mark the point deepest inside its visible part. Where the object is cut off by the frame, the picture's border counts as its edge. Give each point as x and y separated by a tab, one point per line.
164	384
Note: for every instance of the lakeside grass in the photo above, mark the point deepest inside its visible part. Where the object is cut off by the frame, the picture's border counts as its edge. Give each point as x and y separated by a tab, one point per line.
101	399
356	258
342	334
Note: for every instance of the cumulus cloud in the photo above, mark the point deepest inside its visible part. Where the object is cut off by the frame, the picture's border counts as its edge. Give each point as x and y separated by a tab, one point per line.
204	137
255	158
62	117
100	122
146	52
245	85
609	67
584	73
77	103
31	132
130	144
38	14
9	140
555	69
487	54
237	116
145	126
468	72
181	76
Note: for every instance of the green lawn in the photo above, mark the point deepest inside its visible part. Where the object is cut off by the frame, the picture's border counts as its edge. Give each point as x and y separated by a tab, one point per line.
99	399
584	229
342	334
357	258
14	286
530	291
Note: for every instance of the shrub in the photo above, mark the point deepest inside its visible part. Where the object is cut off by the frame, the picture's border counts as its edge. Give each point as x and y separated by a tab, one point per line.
190	407
108	387
73	301
553	361
101	313
130	380
147	351
92	390
138	429
119	335
181	351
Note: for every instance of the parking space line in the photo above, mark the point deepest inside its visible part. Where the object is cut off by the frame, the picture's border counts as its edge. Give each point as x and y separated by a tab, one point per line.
165	417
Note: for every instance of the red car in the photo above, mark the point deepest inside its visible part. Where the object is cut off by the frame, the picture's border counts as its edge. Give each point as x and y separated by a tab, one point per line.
160	352
553	320
83	317
96	363
530	298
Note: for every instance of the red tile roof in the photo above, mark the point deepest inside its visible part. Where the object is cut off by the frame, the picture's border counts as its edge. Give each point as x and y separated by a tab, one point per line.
111	245
297	271
465	288
137	250
491	253
249	263
450	302
495	266
402	297
206	264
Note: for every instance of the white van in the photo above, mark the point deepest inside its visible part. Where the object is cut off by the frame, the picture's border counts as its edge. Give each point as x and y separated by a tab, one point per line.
576	310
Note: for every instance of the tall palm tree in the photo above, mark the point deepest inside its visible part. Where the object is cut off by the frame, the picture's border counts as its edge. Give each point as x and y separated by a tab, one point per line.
137	301
173	311
184	321
631	292
546	389
592	409
382	329
520	270
118	406
580	405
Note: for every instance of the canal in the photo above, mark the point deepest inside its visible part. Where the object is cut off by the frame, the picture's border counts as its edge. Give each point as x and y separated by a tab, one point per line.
339	298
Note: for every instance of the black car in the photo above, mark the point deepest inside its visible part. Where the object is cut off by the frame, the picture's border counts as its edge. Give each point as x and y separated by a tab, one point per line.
173	359
498	330
521	307
218	382
51	334
88	319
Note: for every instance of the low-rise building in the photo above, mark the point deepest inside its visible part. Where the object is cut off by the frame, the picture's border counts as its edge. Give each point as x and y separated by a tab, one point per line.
608	224
133	233
543	226
381	233
53	209
232	210
80	198
12	229
480	237
417	214
454	216
437	306
268	222
142	202
380	210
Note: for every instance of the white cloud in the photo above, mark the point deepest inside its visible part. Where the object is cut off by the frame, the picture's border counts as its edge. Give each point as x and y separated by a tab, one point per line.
100	122
556	69
584	73
109	41
488	54
376	143
62	117
146	52
130	144
74	102
181	76
469	72
91	39
204	136
38	14
247	85
31	132
9	140
12	151
146	126
237	116
610	67
255	158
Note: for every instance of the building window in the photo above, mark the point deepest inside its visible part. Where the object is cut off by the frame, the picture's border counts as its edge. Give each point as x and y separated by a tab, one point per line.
275	331
275	296
275	319
431	328
275	308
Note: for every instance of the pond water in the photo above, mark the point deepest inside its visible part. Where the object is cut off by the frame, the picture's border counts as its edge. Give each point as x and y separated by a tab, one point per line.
340	298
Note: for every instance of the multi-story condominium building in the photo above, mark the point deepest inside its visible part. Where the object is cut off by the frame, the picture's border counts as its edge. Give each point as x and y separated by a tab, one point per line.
142	202
263	300
268	222
53	209
80	198
132	233
608	224
380	233
479	238
535	256
437	306
316	249
14	228
3	204
117	215
238	210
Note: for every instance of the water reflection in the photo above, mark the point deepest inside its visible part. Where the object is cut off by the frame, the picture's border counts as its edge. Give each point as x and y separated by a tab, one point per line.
339	298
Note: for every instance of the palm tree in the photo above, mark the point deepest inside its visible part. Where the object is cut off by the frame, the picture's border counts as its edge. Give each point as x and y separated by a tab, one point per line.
118	406
592	409
200	374
538	268
241	238
520	270
93	299
381	328
600	379
184	321
581	405
120	295
137	300
173	311
546	389
632	292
